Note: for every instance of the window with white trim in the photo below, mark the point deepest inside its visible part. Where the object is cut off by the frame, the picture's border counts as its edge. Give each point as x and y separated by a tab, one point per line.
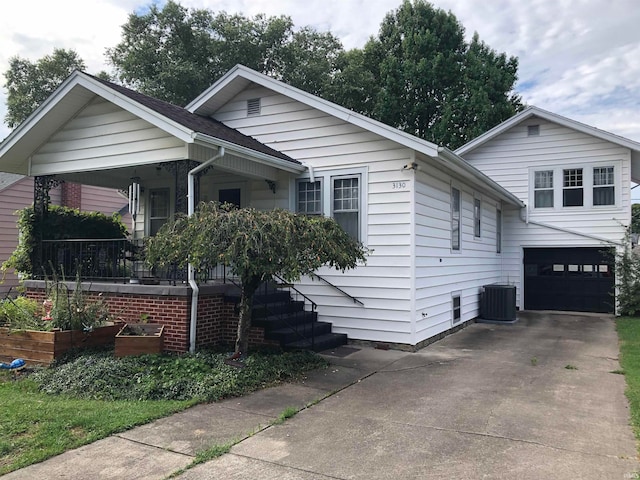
455	219
342	200
543	189
309	197
456	308
572	187
604	192
477	216
159	203
345	203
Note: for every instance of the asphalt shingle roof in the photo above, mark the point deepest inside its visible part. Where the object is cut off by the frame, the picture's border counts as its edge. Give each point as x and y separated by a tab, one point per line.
197	123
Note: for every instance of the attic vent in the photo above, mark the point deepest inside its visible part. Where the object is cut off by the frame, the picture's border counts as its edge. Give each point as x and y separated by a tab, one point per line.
253	106
533	130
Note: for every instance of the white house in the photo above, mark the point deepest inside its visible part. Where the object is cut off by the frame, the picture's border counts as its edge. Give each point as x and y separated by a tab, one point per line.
575	181
440	227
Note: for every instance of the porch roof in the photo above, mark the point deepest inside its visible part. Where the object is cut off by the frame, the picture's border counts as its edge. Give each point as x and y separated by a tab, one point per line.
80	88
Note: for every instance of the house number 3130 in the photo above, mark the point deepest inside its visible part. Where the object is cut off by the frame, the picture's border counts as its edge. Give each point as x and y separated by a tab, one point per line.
398	185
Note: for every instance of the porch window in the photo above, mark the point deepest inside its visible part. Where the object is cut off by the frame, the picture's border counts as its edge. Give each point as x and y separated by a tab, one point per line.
309	200
346	204
543	189
572	193
455	219
158	209
603	186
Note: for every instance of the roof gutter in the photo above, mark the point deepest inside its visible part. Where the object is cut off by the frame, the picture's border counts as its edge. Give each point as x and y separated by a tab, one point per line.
473	174
195	290
249	153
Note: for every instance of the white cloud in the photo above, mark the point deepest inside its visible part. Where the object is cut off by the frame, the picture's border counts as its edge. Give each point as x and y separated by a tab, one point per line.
579	58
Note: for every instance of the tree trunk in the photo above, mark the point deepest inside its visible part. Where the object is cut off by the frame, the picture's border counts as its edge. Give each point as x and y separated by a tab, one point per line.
247	291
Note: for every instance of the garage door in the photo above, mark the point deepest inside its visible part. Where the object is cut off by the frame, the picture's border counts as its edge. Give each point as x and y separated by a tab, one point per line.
570	279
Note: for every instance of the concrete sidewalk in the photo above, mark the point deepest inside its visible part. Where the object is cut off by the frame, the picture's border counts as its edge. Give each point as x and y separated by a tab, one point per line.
534	400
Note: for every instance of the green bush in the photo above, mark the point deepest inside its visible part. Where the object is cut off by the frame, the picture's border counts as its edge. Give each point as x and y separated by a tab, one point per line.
60	223
21	313
202	376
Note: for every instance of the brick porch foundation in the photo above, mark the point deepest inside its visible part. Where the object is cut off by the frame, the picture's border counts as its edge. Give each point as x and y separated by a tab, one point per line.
170	306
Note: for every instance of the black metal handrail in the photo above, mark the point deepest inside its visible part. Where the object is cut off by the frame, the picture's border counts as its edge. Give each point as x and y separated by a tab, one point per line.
354	299
264	290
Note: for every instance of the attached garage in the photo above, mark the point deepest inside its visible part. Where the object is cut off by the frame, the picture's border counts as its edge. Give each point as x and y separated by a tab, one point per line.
569	279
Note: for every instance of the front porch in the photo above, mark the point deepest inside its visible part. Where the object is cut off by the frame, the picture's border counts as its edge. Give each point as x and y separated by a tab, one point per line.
282	316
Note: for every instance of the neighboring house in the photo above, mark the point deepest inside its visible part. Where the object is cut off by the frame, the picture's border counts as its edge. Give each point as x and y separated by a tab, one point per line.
16	193
575	181
439	229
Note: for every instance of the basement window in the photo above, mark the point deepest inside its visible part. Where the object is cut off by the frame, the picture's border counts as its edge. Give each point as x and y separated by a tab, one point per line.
533	130
253	106
456	308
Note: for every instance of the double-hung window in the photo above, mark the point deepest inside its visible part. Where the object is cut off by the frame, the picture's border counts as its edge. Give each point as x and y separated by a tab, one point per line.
543	189
477	215
572	188
309	200
158	209
603	186
342	200
346	203
455	219
498	230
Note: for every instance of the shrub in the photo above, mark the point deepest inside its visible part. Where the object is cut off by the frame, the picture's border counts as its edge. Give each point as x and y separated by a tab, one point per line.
202	376
60	223
21	313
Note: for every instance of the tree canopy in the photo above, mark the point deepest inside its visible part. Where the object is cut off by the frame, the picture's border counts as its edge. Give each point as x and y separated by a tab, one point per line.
174	53
256	246
419	75
30	83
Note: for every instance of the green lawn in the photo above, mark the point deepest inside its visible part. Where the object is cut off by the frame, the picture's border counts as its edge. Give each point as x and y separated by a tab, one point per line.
629	334
95	395
35	426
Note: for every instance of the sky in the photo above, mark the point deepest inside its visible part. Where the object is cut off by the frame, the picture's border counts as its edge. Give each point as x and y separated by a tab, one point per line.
577	58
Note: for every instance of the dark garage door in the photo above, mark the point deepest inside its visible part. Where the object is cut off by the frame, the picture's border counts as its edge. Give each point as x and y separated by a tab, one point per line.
570	279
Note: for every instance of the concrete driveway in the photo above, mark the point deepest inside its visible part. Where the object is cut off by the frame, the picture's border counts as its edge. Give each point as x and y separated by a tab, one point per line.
534	400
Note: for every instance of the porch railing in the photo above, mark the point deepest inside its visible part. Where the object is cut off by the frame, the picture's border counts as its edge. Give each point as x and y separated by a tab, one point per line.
114	260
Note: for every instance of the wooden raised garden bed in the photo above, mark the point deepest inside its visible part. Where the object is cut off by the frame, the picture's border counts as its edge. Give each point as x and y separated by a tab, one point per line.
139	338
44	347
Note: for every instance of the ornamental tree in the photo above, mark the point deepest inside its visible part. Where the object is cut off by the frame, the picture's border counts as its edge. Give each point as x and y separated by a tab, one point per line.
255	245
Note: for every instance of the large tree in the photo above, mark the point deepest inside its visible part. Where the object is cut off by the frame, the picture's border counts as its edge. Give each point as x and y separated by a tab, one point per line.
174	53
419	75
30	83
256	245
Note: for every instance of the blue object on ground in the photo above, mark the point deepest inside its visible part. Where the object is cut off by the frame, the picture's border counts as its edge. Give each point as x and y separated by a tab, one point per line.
17	364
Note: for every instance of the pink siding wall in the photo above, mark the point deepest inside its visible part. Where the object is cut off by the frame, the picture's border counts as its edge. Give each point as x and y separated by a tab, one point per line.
20	194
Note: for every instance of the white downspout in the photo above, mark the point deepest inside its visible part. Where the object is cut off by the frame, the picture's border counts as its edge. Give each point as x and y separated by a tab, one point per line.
312	176
191	272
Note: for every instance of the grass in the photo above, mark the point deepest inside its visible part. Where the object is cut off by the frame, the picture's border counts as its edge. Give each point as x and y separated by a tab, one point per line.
92	396
629	335
36	426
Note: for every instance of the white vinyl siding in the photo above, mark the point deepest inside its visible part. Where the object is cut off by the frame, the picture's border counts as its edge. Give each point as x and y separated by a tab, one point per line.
511	159
104	136
337	149
441	271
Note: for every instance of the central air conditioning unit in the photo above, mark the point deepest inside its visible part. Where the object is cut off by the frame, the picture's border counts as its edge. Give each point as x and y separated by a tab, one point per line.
498	303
